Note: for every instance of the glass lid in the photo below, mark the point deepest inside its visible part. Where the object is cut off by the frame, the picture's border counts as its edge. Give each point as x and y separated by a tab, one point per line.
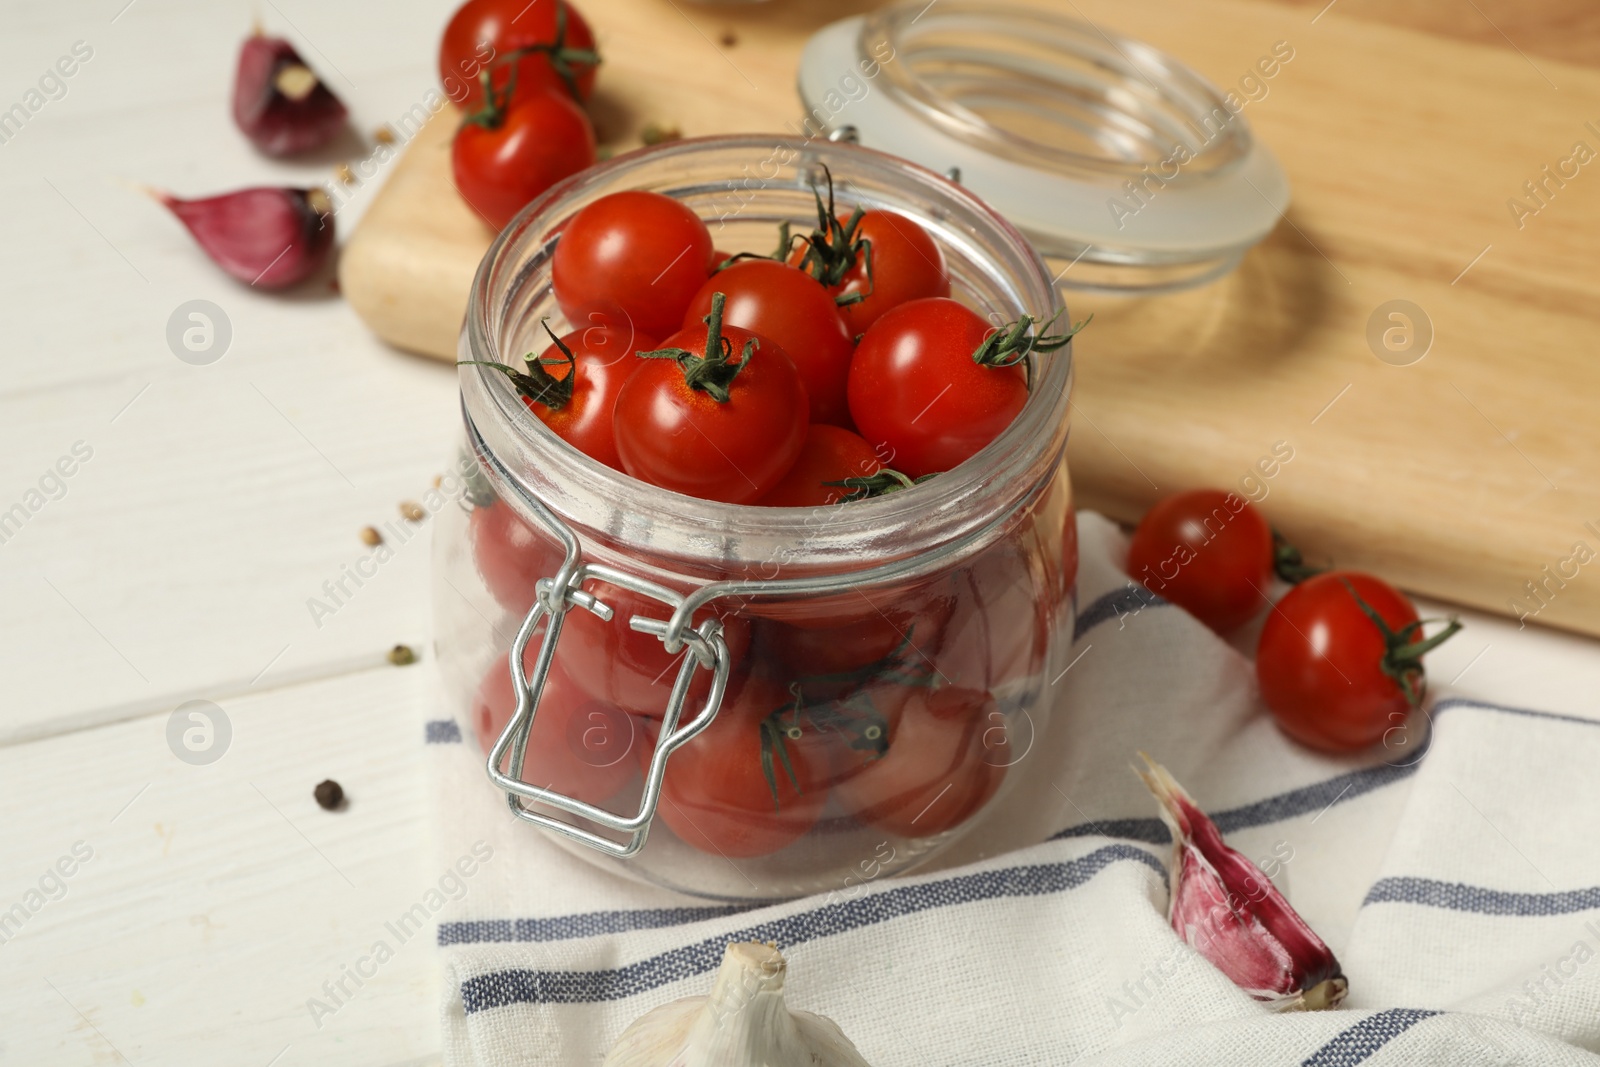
1106	152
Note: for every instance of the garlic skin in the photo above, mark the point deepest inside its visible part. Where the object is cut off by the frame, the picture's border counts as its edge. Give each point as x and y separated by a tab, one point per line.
1224	907
743	1023
279	103
267	237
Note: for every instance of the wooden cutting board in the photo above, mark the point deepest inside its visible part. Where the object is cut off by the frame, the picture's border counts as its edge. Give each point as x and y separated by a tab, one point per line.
1471	475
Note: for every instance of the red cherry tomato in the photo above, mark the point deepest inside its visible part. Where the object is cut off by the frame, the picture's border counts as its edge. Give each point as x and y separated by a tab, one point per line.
578	746
917	395
572	387
787	306
630	669
1209	552
482	32
511	556
500	167
933	775
906	265
631	261
719	794
828	652
999	633
830	454
1321	662
841	736
732	435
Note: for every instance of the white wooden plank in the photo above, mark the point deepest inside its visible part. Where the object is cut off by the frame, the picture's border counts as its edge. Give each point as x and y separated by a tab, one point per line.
180	558
219	898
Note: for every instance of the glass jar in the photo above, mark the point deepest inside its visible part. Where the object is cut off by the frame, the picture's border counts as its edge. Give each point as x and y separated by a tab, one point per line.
745	702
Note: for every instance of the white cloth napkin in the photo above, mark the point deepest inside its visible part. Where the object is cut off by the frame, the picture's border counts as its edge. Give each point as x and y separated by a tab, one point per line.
1458	882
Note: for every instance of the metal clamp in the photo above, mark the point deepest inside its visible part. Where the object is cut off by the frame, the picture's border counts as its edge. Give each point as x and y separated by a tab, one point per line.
707	650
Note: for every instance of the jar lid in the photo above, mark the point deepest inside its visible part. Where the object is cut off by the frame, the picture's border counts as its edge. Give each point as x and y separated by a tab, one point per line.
1101	149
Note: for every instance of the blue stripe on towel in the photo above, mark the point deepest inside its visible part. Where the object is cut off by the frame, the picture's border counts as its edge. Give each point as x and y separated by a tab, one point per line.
441	732
1456	896
567	927
1315	797
1357	1043
501	988
1129	599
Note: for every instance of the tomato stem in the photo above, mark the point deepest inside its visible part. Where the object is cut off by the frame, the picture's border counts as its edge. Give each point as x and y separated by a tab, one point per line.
492	115
833	247
1288	563
884	482
538	384
1402	657
1015	342
712	371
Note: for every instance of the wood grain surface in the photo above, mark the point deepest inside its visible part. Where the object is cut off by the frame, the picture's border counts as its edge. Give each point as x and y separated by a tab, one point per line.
1464	475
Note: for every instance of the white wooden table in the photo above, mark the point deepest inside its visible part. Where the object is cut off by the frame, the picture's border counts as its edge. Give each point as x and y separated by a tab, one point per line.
177	561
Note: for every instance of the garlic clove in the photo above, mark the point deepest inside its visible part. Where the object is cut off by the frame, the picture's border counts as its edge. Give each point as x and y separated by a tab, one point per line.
267	237
279	102
1223	906
743	1022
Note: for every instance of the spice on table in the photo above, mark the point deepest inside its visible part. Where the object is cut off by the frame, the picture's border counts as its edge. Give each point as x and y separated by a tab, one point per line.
383	134
344	174
411	511
1228	910
657	133
438	480
401	655
728	38
329	794
371	536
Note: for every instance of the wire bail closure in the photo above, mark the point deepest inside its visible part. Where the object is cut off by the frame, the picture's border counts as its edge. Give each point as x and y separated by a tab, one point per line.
705	645
706	650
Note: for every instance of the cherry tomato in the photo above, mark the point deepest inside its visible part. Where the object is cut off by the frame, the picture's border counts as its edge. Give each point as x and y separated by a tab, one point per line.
1334	678
906	265
999	632
724	420
572	387
482	32
830	454
934	774
630	669
631	261
511	556
918	396
788	307
829	652
840	736
1209	552
578	746
719	794
503	163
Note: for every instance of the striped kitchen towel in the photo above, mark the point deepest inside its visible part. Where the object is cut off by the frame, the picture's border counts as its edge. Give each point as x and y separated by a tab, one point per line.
1458	880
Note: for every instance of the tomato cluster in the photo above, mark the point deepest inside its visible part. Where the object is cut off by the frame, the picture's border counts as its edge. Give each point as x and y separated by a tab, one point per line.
522	71
881	710
1339	660
835	370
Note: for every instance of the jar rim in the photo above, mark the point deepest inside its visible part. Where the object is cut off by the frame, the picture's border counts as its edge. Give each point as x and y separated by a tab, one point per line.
709	535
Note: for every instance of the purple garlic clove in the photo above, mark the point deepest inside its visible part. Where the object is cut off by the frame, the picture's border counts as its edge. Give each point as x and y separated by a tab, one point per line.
268	237
278	101
1225	908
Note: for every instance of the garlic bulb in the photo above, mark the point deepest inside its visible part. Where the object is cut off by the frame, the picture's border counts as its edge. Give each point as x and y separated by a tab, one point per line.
743	1023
